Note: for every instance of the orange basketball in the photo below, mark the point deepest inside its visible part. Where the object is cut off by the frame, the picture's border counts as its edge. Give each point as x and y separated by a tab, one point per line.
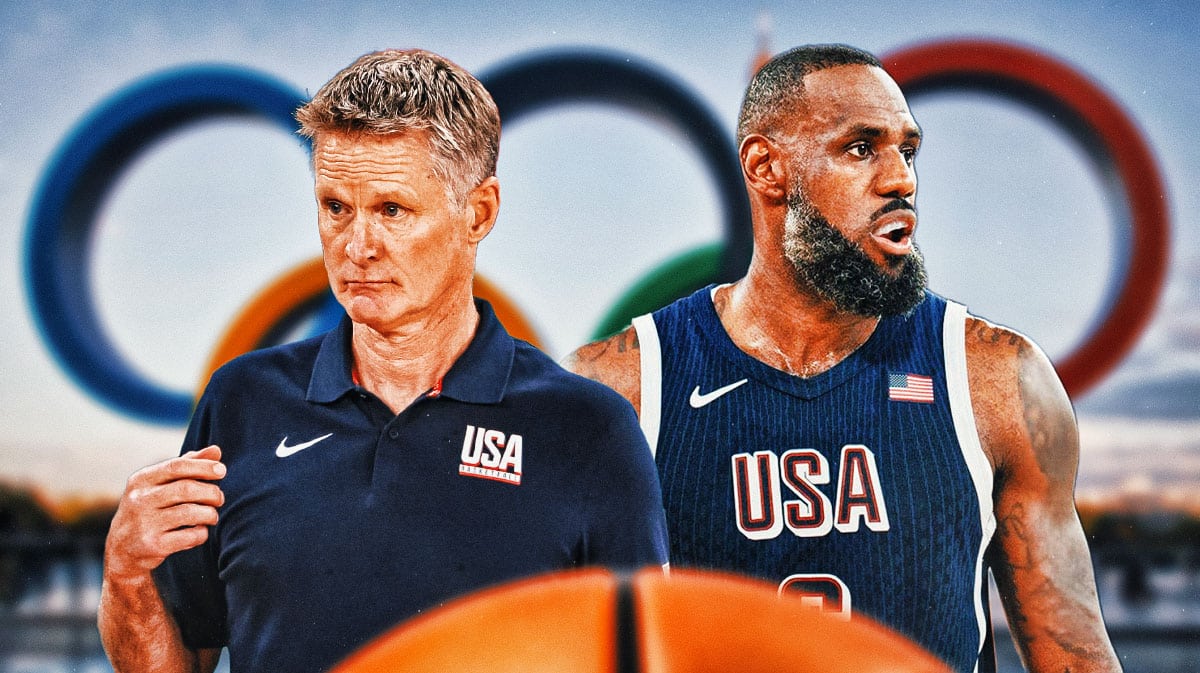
595	621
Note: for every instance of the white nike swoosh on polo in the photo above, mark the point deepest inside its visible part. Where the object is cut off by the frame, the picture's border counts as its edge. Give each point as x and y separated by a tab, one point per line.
698	400
283	450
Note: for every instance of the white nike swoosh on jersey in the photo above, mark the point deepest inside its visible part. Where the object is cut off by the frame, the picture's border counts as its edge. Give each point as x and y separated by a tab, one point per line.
283	450
698	400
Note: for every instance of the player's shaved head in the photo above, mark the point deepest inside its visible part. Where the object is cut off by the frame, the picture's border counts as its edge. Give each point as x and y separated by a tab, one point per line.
777	88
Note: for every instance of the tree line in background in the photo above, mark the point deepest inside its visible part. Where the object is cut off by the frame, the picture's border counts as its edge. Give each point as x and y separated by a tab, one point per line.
37	533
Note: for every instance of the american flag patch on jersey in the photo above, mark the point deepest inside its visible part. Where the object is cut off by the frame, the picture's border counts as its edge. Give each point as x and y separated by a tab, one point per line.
910	388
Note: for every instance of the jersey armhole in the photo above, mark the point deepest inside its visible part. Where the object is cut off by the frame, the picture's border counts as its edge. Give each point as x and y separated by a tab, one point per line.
954	344
651	376
954	340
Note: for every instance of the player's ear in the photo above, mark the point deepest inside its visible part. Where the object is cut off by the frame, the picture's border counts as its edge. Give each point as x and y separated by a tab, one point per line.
484	203
763	166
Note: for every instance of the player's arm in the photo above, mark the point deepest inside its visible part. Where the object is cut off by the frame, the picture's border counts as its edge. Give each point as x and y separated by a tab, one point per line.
1039	555
166	508
615	362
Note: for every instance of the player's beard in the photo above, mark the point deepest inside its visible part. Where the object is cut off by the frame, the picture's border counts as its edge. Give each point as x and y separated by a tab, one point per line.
833	267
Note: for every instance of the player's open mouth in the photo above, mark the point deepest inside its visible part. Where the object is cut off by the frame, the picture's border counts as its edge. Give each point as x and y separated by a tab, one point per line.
895	236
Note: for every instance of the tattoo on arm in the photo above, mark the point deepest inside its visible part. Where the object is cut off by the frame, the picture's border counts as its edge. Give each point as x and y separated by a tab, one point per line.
613	361
994	334
1039	555
628	341
623	342
1051	430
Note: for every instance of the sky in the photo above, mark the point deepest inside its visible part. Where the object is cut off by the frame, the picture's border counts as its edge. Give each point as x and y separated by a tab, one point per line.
1015	219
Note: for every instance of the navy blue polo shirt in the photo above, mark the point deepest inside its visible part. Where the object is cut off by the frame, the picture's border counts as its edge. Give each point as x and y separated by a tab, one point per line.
342	519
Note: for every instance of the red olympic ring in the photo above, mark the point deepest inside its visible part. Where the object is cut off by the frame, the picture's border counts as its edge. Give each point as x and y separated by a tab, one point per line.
113	134
1092	116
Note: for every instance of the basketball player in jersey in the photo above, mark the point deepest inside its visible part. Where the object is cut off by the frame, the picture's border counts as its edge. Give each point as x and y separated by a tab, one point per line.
827	424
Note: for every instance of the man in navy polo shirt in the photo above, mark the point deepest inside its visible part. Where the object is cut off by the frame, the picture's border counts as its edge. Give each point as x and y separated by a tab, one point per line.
331	488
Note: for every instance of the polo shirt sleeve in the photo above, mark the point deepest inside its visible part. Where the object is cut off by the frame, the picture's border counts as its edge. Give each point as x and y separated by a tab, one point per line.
187	580
628	527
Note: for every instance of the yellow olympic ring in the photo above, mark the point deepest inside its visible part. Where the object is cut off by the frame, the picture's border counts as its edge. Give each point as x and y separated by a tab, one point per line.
307	283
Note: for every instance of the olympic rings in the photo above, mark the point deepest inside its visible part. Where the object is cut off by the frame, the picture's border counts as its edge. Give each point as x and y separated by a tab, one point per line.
1087	114
111	137
88	162
83	170
562	77
1100	126
528	85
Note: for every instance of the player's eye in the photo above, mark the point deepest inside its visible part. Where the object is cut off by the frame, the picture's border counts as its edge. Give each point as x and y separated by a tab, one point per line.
862	150
334	207
391	210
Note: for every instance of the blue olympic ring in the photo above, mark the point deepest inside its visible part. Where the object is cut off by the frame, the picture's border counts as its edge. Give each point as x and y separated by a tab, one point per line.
554	77
72	190
111	137
89	161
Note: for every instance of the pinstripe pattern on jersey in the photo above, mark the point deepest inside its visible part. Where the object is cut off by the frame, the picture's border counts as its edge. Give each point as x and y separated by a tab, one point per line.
923	573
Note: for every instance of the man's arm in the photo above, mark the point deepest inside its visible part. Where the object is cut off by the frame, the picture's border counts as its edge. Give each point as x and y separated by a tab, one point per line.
166	508
615	362
1039	555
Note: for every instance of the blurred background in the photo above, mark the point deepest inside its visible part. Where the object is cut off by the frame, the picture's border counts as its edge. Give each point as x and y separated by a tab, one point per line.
1025	216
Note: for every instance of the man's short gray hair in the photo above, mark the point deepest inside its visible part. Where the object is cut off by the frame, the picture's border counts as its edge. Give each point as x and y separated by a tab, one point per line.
398	91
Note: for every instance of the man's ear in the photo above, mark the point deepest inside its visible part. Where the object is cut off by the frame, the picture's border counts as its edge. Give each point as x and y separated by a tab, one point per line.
484	202
763	167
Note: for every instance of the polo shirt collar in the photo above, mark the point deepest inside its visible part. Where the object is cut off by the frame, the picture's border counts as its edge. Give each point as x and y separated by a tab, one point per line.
480	375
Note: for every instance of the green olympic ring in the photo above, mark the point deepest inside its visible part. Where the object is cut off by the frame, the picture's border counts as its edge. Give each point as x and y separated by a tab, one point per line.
116	132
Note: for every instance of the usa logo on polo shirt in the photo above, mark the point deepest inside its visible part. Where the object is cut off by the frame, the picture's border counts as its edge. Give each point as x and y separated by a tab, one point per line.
491	454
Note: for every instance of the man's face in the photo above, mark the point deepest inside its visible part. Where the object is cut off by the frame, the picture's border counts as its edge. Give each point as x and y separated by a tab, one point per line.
851	214
395	245
837	269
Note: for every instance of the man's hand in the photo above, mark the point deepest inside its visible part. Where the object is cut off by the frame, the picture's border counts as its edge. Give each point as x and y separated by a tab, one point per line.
167	507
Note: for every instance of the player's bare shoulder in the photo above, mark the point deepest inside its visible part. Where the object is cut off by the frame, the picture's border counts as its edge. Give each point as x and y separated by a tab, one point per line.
1019	402
993	352
615	362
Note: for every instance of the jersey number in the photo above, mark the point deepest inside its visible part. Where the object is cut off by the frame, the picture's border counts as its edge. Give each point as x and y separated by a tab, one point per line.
827	593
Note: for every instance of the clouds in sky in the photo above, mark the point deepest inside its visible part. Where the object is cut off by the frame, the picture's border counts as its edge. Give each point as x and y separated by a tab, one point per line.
1013	219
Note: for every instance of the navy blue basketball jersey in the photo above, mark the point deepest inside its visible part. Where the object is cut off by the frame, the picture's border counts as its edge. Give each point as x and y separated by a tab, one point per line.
863	488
